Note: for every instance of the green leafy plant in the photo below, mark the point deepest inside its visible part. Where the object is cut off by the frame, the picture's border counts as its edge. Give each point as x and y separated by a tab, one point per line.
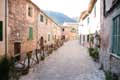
42	58
4	68
94	53
108	75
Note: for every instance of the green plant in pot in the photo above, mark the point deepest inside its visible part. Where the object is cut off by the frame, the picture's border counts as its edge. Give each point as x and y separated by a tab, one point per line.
94	53
4	68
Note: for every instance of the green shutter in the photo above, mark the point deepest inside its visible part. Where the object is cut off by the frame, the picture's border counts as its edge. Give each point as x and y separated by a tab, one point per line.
30	33
1	30
119	36
113	30
116	36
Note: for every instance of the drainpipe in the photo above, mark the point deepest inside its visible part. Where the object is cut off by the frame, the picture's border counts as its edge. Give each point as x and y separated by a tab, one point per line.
6	24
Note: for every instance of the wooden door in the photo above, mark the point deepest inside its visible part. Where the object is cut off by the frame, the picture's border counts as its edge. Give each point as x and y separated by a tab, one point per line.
17	50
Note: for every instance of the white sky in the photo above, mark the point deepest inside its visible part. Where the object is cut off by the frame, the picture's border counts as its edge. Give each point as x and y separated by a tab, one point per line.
71	8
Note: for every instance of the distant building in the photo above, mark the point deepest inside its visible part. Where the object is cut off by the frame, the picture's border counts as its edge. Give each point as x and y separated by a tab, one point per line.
70	31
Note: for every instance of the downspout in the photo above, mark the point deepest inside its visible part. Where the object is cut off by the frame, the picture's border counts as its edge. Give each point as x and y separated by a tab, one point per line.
6	24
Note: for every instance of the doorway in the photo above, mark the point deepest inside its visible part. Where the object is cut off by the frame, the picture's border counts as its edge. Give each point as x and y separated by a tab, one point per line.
17	50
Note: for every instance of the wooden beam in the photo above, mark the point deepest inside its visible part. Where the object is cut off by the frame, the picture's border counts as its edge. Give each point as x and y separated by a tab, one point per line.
85	13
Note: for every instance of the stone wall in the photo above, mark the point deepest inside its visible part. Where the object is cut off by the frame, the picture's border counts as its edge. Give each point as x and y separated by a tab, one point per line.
2	18
46	28
19	24
109	63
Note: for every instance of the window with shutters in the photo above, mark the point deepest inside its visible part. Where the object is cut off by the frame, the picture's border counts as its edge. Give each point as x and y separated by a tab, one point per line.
87	38
95	11
1	31
88	20
83	37
48	37
116	36
30	33
30	11
41	18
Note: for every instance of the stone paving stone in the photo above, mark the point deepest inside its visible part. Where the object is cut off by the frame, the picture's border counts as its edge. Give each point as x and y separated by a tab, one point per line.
70	62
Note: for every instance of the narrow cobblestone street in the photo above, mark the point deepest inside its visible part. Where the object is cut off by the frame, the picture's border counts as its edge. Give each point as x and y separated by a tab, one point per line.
70	62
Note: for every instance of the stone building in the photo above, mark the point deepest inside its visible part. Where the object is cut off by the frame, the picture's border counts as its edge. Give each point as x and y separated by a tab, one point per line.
90	25
2	27
47	28
70	30
24	24
110	35
56	32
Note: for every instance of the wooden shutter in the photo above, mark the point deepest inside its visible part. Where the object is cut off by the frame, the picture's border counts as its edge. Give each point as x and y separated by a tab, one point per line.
119	36
116	36
30	33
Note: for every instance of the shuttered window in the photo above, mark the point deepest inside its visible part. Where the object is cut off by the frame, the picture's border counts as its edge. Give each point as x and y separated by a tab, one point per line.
30	33
95	11
48	37
88	20
41	18
1	30
30	11
116	36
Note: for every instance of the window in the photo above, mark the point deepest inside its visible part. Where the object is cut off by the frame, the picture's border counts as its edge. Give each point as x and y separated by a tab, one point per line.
87	38
116	36
1	30
95	11
114	1
46	21
30	33
109	6
48	37
80	38
30	11
88	20
73	30
83	37
63	29
41	18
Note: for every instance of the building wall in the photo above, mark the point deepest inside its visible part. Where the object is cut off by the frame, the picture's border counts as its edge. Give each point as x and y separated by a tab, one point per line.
109	63
69	32
2	18
56	31
19	23
48	28
91	24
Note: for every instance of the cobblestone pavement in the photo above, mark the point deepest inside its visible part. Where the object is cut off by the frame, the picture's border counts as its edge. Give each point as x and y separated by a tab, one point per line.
70	62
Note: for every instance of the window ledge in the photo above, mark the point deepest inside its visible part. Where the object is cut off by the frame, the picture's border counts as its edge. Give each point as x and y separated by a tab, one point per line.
116	56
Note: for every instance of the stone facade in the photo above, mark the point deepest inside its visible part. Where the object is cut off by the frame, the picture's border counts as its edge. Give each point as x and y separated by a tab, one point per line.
19	23
47	28
26	24
70	31
110	61
2	19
